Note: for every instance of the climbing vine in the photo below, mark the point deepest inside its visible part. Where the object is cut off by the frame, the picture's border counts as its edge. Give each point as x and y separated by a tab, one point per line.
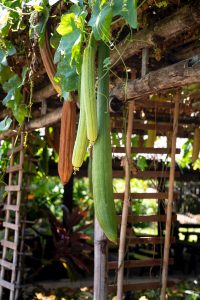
71	24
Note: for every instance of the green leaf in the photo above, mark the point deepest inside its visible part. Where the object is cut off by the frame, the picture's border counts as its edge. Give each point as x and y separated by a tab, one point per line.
67	24
14	98
4	13
142	163
6	49
5	74
66	76
66	45
196	164
128	10
5	124
68	55
100	22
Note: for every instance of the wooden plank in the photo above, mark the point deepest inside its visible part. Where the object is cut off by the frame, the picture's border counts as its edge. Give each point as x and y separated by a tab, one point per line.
9	245
11	207
140	125
11	226
7	264
14	150
12	169
136	286
145	103
158	195
7	285
147	240
145	174
145	150
12	188
151	218
112	265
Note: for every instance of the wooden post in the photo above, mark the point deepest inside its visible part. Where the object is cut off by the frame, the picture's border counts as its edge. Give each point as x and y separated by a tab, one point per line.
126	204
100	258
145	61
170	200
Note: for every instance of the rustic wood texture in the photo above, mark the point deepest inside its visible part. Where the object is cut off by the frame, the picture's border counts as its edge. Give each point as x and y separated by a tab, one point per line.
126	203
129	264
151	218
174	76
147	150
158	196
163	295
179	22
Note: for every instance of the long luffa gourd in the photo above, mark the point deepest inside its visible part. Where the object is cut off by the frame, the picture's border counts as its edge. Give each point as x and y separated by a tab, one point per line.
47	59
102	155
88	90
67	138
81	143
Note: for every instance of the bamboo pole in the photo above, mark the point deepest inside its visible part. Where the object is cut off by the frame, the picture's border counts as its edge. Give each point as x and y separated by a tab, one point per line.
170	199
126	204
100	258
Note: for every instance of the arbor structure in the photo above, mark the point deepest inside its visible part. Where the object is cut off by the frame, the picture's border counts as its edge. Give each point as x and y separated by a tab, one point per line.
154	67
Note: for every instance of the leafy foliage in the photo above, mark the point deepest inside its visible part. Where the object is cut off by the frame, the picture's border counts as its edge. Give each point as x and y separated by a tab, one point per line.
71	35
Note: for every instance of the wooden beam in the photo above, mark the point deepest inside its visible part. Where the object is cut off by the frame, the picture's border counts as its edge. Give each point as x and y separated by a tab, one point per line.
171	77
147	150
150	196
44	93
151	218
129	264
185	19
45	120
140	285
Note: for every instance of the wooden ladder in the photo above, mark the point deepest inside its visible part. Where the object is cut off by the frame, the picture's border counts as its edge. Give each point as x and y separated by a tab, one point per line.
10	242
133	260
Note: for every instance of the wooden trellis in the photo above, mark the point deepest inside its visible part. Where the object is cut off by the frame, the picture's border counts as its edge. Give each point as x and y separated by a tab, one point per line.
130	239
10	242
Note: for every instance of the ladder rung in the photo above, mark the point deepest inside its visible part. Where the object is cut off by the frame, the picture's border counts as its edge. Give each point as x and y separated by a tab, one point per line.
139	263
161	127
145	150
7	285
142	103
7	264
137	285
151	218
145	174
14	150
15	168
9	244
12	188
11	226
147	240
159	195
11	207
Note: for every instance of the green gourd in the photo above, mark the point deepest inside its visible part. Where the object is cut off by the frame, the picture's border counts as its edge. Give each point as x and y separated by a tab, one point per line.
102	155
89	92
81	142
